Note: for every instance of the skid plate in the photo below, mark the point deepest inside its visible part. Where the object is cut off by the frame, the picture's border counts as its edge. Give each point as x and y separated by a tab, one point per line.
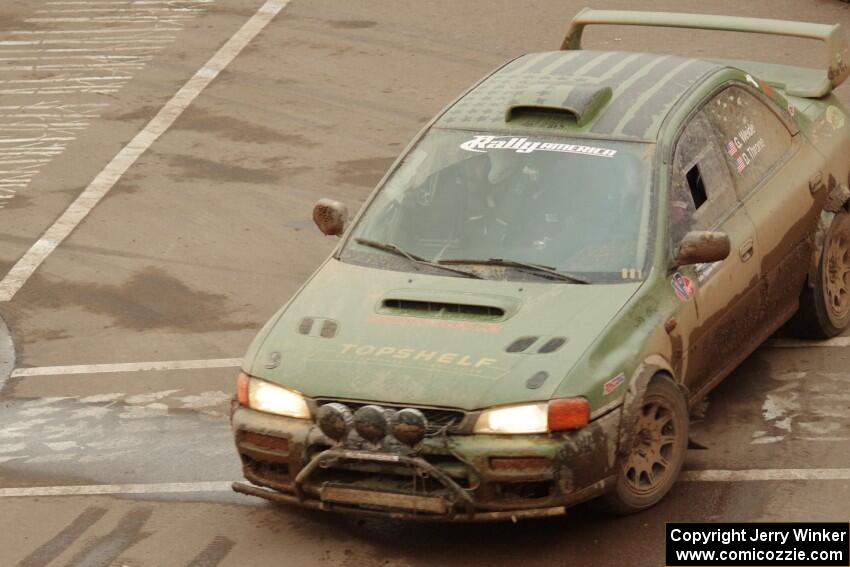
398	501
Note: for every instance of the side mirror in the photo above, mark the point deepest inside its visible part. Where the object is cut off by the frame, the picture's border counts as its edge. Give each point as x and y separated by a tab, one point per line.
330	216
702	247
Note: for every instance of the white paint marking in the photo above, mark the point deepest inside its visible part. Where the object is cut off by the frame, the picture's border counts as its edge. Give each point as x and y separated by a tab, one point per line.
91	490
144	412
32	412
62	445
764	475
116	30
106	179
128	367
794	343
94	412
7	459
111	71
149	397
101	398
39	139
752	475
204	400
65	79
12	448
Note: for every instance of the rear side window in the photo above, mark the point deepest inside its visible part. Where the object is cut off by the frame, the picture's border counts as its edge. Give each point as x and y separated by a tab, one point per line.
702	193
753	138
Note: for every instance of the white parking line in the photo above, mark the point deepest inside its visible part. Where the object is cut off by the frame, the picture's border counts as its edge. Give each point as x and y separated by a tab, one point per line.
235	362
128	367
224	486
90	490
794	343
106	179
764	475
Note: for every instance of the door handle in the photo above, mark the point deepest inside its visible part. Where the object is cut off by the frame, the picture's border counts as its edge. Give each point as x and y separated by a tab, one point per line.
746	250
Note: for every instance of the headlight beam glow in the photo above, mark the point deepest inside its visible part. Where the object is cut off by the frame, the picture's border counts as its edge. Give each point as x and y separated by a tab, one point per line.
270	398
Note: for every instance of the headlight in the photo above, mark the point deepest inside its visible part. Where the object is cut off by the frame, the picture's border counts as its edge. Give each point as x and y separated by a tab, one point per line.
556	415
531	418
270	398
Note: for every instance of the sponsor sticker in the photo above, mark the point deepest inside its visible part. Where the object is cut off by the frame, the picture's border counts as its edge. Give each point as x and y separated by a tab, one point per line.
483	143
613	383
835	117
416	355
683	286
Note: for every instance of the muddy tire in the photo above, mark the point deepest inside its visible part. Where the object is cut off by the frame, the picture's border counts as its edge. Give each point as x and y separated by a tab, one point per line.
660	440
825	307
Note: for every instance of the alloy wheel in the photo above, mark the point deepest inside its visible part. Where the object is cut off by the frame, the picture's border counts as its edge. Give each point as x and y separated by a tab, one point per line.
654	448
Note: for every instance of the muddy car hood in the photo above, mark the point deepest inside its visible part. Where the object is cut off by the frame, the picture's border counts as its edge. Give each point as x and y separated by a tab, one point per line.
360	333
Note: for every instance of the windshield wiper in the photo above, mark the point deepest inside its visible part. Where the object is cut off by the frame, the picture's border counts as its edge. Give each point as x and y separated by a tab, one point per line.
538	269
413	258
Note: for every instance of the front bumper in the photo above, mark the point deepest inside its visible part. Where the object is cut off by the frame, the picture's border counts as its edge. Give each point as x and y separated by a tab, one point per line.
448	477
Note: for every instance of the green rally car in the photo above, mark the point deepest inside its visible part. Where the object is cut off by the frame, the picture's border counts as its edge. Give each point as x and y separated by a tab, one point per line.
564	261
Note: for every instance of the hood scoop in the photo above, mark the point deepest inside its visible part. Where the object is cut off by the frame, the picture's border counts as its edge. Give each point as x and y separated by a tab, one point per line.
442	310
439	305
577	102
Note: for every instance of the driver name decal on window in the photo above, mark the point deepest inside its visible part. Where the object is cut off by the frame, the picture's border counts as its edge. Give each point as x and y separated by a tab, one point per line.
741	150
481	144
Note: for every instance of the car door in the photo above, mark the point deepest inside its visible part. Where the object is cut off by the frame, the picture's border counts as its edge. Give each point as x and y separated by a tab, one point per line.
773	168
716	324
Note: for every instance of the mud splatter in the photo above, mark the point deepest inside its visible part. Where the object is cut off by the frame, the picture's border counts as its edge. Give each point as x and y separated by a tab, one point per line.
18	202
199	168
124	187
150	299
9	21
237	130
146	112
363	172
352	24
48	335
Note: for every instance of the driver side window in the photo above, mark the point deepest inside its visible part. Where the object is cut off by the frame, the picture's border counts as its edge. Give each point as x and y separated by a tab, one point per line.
701	192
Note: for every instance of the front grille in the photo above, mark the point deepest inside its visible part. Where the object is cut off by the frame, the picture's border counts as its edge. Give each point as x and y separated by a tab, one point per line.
438	418
277	473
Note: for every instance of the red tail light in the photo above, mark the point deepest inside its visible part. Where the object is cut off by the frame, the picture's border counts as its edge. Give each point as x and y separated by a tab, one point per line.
568	413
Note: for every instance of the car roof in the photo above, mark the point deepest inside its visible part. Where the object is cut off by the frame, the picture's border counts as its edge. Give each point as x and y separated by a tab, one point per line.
643	89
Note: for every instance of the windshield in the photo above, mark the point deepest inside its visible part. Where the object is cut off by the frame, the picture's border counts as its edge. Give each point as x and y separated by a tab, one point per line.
580	207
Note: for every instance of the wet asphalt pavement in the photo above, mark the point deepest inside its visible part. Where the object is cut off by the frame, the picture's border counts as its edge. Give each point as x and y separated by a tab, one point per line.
209	232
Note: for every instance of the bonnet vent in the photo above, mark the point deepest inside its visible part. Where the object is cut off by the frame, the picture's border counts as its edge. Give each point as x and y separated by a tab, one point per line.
521	344
579	103
443	310
552	345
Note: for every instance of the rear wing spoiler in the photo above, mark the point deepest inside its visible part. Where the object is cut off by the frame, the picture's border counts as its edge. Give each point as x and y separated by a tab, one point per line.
833	37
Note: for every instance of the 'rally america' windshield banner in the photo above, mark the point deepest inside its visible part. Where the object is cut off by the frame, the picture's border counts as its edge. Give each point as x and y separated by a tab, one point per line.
482	143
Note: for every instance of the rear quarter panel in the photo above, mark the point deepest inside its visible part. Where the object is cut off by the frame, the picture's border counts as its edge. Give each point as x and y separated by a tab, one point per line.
825	124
